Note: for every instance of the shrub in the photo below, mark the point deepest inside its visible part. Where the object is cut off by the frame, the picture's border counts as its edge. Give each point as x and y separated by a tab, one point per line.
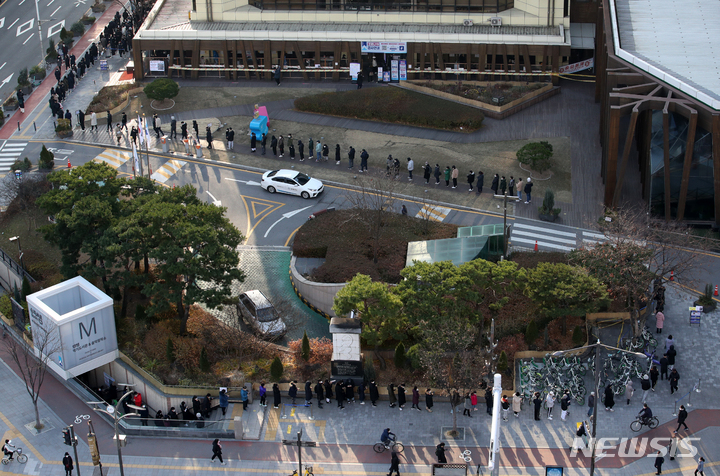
531	333
51	52
23	78
63	125
140	313
276	369
46	161
548	205
537	155
6	306
65	36
502	364
170	350
321	351
204	361
88	19
577	336
162	89
400	356
305	352
707	298
77	28
369	370
26	291
38	72
23	165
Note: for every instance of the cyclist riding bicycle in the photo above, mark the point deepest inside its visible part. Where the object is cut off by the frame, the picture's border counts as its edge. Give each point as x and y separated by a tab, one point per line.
387	437
645	414
8	448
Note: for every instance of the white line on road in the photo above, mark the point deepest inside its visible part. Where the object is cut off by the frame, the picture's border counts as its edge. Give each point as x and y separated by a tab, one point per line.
51	2
246	182
285	215
3	65
543	237
541	243
13	23
2	22
544	230
23	1
28	38
53	13
216	202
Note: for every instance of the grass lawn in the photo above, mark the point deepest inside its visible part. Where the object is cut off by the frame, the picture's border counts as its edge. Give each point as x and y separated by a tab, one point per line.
346	244
395	105
39	255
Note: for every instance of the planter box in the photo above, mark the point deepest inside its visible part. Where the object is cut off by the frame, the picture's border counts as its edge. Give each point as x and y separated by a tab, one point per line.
11	107
550	217
64	133
706	309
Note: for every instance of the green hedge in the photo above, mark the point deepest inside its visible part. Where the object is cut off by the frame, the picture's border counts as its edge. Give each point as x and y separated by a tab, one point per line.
394	105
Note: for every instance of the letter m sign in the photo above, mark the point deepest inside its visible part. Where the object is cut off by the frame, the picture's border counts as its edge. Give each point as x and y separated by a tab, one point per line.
91	328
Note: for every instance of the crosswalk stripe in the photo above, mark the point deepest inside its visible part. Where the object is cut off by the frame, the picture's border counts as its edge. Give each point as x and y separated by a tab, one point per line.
542	243
594	235
8	143
545	237
114	158
167	170
544	230
433	213
14	154
13	149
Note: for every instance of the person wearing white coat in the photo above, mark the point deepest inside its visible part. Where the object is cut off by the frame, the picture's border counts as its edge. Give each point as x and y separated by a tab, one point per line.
93	121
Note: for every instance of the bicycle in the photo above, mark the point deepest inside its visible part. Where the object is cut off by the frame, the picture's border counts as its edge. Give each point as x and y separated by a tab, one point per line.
20	458
393	446
637	424
308	471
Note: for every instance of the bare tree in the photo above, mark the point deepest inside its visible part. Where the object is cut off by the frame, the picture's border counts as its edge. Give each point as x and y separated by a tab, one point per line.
21	193
32	368
374	198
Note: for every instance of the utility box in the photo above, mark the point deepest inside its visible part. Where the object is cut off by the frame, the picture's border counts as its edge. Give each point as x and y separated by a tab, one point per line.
238	428
74	324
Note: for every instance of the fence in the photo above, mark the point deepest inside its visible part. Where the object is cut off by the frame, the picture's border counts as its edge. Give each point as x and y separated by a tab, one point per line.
11	273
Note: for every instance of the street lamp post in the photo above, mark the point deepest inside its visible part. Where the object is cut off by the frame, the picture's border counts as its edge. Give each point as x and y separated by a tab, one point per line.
20	253
597	346
113	413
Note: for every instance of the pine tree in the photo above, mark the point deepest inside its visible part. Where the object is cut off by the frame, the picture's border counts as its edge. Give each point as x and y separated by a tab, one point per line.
204	362
577	336
305	352
170	351
502	365
26	291
400	356
531	333
276	369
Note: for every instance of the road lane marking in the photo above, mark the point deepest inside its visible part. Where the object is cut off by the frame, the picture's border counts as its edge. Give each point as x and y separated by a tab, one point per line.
56	10
285	215
51	2
216	202
21	30
3	65
13	23
167	170
545	230
28	38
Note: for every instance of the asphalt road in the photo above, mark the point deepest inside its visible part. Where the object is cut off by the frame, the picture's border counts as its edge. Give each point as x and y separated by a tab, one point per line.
19	35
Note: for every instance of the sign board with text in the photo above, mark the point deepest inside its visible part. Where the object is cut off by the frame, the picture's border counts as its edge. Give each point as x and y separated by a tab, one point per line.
397	47
76	322
696	314
575	67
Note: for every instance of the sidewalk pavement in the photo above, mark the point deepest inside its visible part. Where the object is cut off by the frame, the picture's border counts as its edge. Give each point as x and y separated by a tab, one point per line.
37	109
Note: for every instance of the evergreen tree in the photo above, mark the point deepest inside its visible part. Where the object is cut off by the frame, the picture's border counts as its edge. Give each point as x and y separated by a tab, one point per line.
276	369
400	356
502	365
305	352
25	288
531	333
204	362
170	351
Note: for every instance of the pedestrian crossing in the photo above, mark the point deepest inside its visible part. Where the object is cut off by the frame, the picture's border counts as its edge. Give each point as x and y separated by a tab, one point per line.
552	239
169	169
113	157
433	213
10	151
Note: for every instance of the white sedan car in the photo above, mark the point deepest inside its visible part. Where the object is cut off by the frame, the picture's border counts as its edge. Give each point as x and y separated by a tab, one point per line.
292	182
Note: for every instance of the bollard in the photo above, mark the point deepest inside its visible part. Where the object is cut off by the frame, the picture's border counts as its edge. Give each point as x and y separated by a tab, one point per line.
165	145
238	428
35	127
198	150
18	126
187	146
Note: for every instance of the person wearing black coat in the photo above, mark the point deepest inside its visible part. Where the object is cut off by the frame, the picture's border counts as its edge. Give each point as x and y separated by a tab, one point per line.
374	394
495	184
263	143
537	405
364	156
183	130
682	416
308	393
337	154
361	393
328	391
57	74
301	150
68	116
394	464
429	400
217	451
609	399
68	464
196	128
144	415
159	418
81	119
489	400
273	145
253	142
426	172
349	391
292	391
276	395
208	137
325	152
401	396
340	394
206	406
471	179
195	405
320	393
480	182
659	460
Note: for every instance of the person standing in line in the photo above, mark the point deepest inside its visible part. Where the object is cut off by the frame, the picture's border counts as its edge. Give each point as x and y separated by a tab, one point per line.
253	140
537	404
437	174
391	395
361	392
396	168
273	145
473	400
93	121
467	405
629	390
230	135
364	156
669	342
262	391
495	184
401	396
308	393
682	416
244	398
81	119
591	404
644	385
550	401
291	149
351	157
664	367
263	143
340	394
277	398
517	404
292	391
609	399
394	464
489	400
223	400
328	390
659	460
671	353
519	189
337	154
281	146
349	391
659	322
301	150
440	453
480	182
654	373
217	451
196	128
123	121
429	397
320	393
374	393
426	173
108	116
503	185
410	168
208	137
183	130
318	151
454	176
673	378
415	398
505	403
325	152
471	179
68	464
528	189
700	467
511	187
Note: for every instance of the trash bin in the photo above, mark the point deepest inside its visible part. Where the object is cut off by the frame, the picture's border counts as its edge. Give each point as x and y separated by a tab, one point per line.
198	150
165	145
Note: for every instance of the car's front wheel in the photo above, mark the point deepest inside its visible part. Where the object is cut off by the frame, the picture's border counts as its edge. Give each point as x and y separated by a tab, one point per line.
305	195
271	189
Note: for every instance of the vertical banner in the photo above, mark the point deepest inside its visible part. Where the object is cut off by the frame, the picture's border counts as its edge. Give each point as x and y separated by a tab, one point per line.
403	70
136	159
141	132
394	70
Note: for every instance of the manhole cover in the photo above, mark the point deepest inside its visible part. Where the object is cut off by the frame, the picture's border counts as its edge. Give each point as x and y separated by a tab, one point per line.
446	433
